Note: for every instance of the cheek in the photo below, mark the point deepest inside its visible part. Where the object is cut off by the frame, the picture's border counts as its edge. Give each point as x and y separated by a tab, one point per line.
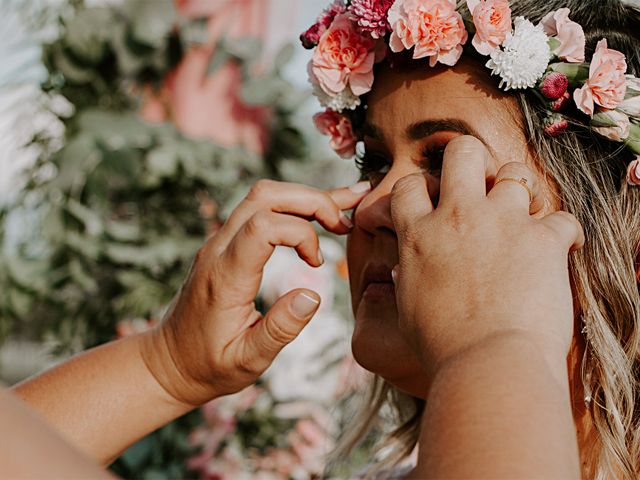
356	244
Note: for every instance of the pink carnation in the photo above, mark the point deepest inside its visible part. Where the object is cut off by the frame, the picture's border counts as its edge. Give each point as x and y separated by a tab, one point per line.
492	19
554	85
344	57
371	16
606	85
633	173
567	32
311	37
434	28
338	127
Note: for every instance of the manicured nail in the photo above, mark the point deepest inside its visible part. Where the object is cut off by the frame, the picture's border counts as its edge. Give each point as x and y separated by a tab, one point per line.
394	274
360	187
303	305
346	221
320	257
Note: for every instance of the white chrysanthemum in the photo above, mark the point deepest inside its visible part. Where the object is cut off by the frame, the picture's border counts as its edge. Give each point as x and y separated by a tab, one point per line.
524	57
345	100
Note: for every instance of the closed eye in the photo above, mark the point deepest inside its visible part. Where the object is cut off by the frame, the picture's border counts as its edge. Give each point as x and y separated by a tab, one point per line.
373	165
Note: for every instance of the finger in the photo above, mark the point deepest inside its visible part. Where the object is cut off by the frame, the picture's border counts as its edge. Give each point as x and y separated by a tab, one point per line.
294	199
567	227
348	198
465	167
254	243
518	185
283	322
409	200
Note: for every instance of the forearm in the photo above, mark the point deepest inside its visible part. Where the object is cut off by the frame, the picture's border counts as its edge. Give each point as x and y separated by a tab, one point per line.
498	411
102	400
29	448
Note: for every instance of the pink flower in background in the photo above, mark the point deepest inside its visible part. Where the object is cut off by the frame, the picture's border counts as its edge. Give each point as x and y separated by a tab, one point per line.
568	33
339	128
371	16
606	85
492	19
434	28
199	8
344	57
311	37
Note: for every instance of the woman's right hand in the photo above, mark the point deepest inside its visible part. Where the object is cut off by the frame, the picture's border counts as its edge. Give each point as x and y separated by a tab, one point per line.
212	340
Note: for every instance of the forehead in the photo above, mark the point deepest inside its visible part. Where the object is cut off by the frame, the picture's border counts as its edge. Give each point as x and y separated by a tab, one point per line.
465	92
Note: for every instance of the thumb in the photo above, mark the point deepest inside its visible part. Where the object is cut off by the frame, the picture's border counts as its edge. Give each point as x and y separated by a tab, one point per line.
283	322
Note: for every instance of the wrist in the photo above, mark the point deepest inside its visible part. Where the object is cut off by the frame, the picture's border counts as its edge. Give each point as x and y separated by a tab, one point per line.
514	344
158	355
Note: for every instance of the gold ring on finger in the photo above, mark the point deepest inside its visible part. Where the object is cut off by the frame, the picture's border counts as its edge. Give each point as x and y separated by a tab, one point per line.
520	181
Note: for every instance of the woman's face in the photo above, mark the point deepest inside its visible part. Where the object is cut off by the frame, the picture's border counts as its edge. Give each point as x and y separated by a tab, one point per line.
411	117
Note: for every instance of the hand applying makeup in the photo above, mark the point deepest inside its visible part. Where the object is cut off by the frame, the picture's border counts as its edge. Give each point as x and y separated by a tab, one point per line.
486	266
213	341
492	321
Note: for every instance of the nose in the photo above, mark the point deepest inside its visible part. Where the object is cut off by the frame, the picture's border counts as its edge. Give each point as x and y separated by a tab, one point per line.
373	214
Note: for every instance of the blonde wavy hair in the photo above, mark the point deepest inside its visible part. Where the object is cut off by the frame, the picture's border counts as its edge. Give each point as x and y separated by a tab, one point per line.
589	174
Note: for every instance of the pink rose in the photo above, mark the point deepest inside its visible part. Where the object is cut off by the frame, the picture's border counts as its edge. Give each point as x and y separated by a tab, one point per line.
434	28
338	127
492	19
606	85
612	124
633	172
344	57
568	33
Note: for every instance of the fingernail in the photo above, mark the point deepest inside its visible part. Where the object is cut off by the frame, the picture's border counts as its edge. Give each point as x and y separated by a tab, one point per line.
346	221
360	187
304	305
320	257
394	274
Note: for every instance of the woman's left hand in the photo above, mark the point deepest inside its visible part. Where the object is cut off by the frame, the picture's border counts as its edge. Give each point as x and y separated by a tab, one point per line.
479	265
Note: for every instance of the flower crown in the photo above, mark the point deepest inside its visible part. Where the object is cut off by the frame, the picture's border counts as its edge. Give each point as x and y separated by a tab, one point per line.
351	36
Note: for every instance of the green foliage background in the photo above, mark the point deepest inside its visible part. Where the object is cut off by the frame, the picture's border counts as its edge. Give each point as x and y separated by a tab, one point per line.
113	215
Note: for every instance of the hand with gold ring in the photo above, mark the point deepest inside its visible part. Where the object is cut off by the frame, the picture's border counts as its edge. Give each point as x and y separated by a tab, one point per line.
487	263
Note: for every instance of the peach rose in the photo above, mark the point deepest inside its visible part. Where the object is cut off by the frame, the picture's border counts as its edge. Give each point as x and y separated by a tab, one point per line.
338	127
492	19
606	85
568	33
344	57
434	28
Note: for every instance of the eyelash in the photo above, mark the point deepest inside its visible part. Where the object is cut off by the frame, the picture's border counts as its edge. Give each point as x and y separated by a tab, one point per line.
372	163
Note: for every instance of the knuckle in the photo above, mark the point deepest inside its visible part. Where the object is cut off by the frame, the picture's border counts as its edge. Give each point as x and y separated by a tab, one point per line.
278	333
518	169
405	184
260	189
464	144
259	224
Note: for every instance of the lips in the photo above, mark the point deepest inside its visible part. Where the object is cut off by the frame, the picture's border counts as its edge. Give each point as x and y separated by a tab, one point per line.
376	279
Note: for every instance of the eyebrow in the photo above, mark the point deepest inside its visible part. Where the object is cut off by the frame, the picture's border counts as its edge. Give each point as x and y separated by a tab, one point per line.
419	130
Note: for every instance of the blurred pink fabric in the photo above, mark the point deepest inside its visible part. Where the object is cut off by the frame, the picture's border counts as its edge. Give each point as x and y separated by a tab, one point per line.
208	106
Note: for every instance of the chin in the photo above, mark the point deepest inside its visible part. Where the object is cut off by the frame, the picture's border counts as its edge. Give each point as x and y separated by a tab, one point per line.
379	348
